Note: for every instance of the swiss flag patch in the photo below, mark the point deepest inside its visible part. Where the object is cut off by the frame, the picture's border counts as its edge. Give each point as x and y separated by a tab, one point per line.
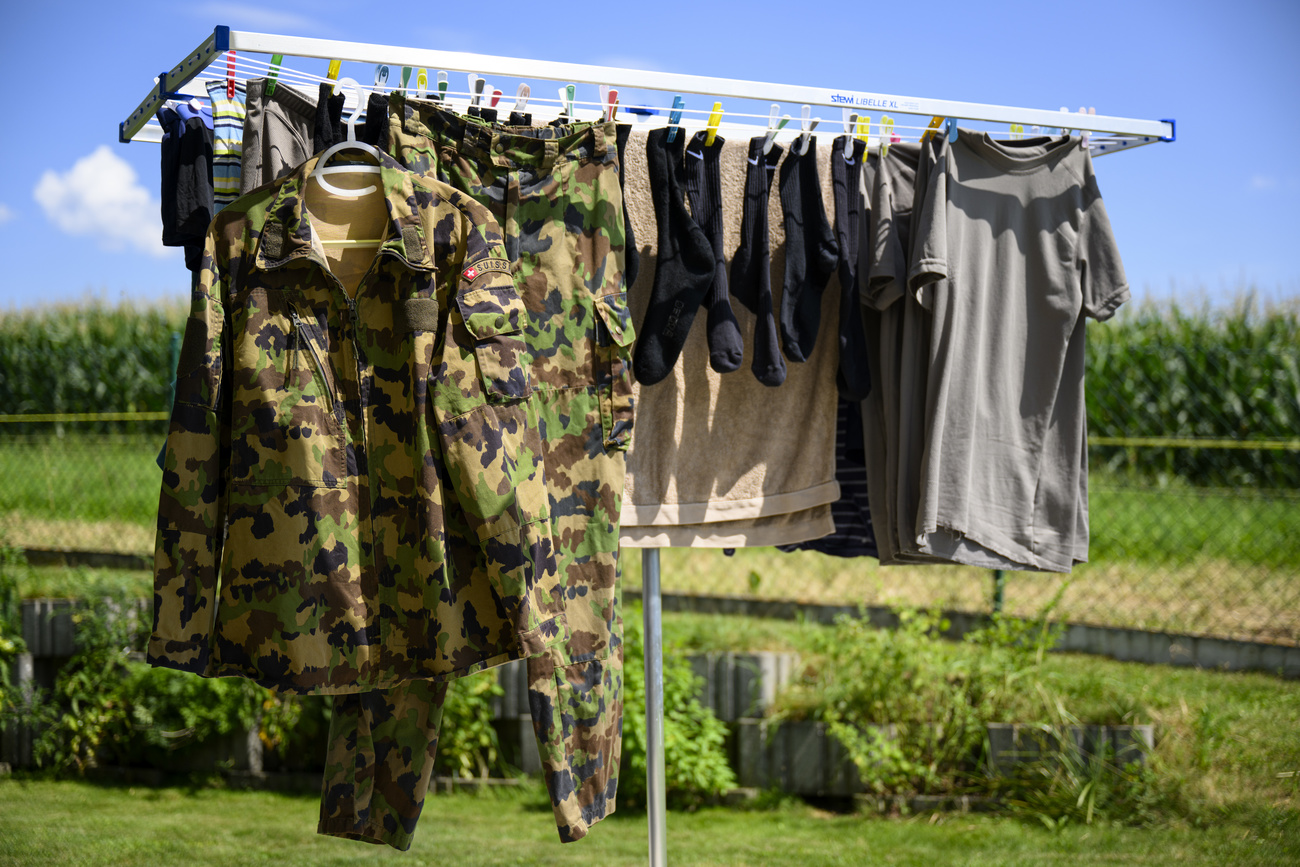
469	273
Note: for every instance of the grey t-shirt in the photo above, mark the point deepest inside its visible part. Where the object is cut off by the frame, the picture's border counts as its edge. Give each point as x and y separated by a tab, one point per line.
1013	251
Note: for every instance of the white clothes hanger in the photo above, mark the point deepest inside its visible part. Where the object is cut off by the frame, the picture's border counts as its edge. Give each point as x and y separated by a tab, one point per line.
322	170
350	144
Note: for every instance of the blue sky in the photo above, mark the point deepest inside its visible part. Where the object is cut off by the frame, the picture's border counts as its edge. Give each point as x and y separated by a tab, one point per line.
1197	219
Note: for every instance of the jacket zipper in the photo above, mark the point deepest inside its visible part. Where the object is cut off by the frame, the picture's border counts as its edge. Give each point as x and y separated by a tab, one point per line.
328	383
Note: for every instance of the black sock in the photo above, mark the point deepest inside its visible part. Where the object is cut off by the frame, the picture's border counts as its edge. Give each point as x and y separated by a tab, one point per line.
375	130
854	378
329	118
631	256
683	269
751	267
811	253
518	118
704	189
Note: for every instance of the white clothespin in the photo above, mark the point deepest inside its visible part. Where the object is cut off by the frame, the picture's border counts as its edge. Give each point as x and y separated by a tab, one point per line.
773	127
1086	134
807	126
521	98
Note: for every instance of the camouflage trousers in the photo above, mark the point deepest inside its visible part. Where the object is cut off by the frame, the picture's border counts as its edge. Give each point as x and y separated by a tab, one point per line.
555	192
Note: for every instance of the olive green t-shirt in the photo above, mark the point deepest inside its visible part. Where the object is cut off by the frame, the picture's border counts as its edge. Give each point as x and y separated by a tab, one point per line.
1012	251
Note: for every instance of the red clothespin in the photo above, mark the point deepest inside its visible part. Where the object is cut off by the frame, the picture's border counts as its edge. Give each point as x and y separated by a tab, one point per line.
496	97
230	75
611	105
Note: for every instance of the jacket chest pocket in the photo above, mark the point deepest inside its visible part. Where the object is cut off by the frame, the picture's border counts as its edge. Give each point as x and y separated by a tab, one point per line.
494	318
287	414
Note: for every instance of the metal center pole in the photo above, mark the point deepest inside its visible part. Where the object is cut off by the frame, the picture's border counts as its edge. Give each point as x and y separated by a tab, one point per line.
652	612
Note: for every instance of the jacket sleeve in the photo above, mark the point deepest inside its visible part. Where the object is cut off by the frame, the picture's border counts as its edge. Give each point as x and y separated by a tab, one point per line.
191	507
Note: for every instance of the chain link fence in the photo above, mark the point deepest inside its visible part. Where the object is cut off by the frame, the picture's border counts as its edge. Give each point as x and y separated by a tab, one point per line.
1194	496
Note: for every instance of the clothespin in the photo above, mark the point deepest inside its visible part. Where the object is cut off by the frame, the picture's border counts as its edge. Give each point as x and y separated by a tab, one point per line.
230	75
864	129
521	98
496	97
566	100
607	102
1017	131
675	115
421	82
1036	130
715	120
406	77
808	126
952	129
333	74
442	85
276	60
381	75
886	134
476	86
1064	130
773	127
1086	134
935	123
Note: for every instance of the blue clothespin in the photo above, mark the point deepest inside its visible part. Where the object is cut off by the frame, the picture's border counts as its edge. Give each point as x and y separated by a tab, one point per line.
675	115
381	76
952	129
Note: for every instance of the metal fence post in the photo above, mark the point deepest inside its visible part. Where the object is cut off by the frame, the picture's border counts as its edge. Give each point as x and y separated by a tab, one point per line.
652	618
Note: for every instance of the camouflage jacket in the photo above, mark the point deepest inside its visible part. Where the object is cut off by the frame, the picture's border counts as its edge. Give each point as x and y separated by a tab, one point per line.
321	445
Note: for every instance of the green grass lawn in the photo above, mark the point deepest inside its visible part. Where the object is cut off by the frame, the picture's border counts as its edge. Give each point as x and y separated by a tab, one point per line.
72	823
1174	559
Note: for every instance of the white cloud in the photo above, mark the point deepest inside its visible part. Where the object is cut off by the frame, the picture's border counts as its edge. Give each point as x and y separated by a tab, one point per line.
1263	182
101	196
6	213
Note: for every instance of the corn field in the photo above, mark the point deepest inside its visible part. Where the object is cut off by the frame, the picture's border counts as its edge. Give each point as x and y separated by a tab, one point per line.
1194	431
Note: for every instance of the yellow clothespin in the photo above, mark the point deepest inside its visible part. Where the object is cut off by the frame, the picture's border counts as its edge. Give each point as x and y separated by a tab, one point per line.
886	134
864	129
421	82
333	74
715	118
1017	131
935	123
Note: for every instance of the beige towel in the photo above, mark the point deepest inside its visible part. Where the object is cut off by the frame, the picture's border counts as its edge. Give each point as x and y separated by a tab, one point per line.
750	533
709	447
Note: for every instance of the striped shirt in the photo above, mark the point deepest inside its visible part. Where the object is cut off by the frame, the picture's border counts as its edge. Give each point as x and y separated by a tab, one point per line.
228	146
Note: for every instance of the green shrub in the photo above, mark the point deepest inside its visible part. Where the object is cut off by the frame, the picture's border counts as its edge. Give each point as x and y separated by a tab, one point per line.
695	759
12	562
468	745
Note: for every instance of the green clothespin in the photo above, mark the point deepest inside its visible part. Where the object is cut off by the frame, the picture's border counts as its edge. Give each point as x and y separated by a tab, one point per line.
276	60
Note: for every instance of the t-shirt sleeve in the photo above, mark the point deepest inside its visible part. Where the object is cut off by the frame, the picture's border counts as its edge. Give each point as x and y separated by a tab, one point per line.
930	235
1101	273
